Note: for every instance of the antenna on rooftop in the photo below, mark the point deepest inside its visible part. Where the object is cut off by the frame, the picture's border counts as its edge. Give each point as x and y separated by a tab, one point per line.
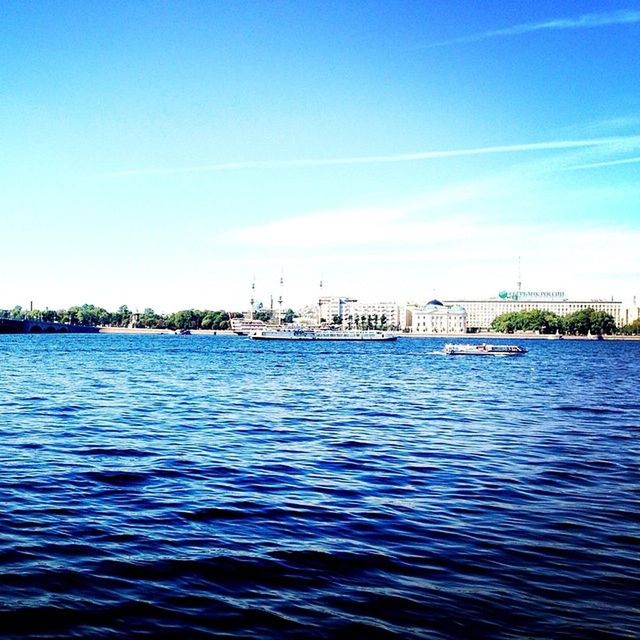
519	283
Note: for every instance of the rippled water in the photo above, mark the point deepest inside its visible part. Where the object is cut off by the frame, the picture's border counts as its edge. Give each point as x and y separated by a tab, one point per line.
162	486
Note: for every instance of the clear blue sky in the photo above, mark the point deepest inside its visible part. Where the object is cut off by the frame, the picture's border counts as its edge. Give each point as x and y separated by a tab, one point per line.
164	154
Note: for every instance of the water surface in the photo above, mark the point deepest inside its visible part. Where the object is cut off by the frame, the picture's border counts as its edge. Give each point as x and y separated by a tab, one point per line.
165	486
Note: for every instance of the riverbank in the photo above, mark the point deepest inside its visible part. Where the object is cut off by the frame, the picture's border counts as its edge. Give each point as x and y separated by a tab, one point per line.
486	336
204	332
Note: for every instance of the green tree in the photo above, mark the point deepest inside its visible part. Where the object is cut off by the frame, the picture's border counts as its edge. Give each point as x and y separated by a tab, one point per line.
262	314
602	323
535	320
149	318
633	328
16	313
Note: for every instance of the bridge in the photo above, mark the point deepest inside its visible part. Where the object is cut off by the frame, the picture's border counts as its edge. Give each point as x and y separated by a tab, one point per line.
12	325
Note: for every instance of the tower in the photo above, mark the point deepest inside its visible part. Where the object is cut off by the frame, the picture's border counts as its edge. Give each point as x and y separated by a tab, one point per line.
253	298
280	299
519	283
320	303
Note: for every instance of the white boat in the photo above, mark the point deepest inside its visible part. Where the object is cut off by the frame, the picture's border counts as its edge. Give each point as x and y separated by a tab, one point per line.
244	327
484	350
322	334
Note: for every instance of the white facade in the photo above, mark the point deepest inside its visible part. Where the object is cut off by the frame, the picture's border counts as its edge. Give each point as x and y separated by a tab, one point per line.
348	309
481	313
433	319
331	306
629	314
390	311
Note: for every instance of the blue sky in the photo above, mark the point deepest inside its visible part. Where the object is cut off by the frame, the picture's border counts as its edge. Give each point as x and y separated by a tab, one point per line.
165	154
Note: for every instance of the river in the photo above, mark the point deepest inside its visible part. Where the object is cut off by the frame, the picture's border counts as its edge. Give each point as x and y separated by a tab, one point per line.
208	486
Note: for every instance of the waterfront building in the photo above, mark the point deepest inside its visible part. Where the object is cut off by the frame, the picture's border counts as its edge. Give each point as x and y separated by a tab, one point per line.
389	312
330	307
481	313
631	311
435	318
343	310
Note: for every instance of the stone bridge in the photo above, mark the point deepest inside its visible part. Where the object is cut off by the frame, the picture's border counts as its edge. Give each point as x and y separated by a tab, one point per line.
9	325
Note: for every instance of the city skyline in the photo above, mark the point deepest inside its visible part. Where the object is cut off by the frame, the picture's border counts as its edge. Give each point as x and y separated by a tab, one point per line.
165	156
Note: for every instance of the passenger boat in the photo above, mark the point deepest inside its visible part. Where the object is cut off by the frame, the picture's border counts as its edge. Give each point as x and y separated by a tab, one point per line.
243	327
484	350
322	334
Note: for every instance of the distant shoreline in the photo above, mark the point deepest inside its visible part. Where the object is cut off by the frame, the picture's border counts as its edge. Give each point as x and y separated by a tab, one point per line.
449	336
204	332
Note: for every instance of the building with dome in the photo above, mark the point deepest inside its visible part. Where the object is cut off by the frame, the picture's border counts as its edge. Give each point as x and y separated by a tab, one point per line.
435	318
431	318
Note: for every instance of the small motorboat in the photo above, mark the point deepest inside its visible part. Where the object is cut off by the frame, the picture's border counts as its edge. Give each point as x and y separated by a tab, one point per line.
484	350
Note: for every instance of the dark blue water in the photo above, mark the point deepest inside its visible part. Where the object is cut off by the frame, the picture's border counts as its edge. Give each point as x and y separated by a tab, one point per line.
161	487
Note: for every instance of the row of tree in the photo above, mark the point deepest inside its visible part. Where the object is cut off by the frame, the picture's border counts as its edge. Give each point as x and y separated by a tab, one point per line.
632	329
89	314
546	322
579	323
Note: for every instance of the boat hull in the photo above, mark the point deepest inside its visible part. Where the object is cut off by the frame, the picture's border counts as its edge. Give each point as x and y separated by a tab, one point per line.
322	336
484	350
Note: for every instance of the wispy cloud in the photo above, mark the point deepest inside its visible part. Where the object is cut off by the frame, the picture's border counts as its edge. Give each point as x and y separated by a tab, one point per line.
586	21
608	163
378	159
444	246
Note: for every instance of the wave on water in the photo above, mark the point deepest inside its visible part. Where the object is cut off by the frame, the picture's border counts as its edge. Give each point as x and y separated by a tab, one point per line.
216	488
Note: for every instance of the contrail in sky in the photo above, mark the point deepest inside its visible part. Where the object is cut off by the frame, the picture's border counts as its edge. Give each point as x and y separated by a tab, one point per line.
608	163
586	21
354	160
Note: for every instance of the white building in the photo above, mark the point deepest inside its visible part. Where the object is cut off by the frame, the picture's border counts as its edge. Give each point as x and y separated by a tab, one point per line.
630	314
436	318
330	307
350	312
381	313
481	313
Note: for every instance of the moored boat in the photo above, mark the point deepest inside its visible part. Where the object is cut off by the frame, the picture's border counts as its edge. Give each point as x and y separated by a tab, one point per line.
484	350
323	334
243	327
